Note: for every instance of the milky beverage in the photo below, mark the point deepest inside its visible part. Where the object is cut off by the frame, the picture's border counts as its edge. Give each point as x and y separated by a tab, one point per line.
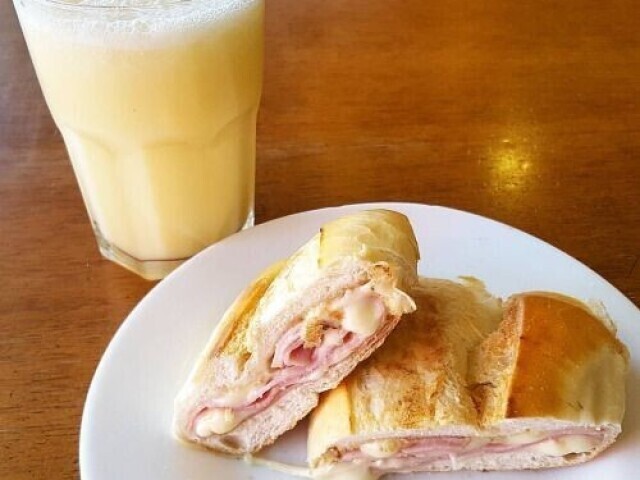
157	106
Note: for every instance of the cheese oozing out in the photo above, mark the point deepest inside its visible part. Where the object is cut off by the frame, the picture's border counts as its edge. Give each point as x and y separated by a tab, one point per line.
216	421
361	318
381	448
361	311
381	456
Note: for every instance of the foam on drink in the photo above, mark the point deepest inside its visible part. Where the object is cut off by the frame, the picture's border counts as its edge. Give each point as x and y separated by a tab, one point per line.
156	101
129	16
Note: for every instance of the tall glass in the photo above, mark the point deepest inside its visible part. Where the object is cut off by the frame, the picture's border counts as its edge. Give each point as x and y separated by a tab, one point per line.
156	101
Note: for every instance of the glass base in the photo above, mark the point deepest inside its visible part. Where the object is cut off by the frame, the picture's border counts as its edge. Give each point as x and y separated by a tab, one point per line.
147	269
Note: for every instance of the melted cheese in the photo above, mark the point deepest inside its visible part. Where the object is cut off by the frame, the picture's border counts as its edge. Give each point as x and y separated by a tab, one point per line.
477	442
521	438
240	393
216	421
381	448
396	301
359	315
555	447
361	318
278	466
381	453
566	444
345	471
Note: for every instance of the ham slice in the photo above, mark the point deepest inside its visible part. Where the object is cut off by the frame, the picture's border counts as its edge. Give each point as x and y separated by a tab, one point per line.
295	362
416	454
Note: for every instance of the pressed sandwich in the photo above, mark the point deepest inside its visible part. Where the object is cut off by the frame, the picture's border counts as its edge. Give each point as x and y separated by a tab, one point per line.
465	383
298	330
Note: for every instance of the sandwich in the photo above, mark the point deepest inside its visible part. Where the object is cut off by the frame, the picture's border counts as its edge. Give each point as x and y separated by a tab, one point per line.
467	382
299	329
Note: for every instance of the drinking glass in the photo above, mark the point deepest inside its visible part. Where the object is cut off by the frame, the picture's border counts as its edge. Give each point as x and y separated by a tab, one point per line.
156	101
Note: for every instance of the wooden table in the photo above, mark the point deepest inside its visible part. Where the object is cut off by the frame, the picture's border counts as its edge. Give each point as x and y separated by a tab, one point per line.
529	114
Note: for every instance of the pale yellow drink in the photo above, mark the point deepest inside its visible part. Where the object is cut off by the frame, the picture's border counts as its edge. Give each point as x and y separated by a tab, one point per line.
157	107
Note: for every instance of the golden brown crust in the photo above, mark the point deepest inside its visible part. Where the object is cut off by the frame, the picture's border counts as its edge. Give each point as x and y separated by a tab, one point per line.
370	246
243	327
491	367
550	363
378	241
371	235
417	380
422	368
234	325
552	358
397	386
243	310
558	337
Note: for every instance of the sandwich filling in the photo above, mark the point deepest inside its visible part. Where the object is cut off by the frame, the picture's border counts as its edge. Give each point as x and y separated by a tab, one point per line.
319	339
375	458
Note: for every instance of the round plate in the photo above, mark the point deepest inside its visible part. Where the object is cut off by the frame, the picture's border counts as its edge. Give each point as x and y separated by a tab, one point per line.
126	431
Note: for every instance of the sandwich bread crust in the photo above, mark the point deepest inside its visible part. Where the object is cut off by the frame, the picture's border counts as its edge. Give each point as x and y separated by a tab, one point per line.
417	381
551	358
466	383
345	287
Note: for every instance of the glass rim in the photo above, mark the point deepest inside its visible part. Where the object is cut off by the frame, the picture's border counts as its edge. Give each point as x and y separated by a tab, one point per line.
67	4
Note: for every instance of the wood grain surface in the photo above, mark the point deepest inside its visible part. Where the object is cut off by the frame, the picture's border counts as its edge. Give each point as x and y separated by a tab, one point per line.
526	113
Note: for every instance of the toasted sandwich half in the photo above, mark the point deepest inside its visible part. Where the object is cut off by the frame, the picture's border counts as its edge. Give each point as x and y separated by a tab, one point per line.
298	330
466	383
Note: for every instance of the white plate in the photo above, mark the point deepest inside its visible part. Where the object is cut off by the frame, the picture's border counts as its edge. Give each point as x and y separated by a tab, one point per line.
125	432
